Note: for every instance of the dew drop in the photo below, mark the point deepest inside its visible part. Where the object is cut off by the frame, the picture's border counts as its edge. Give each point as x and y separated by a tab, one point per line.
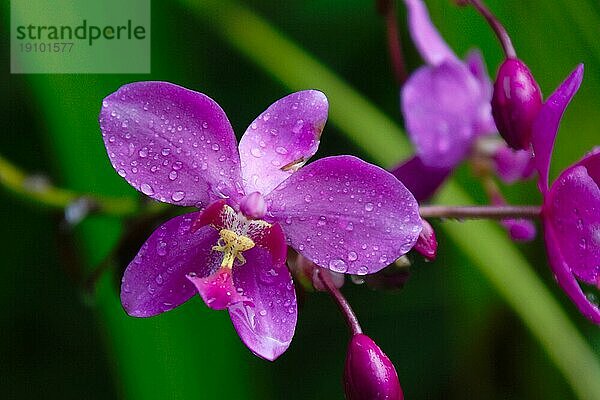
173	175
178	196
369	207
143	152
161	248
177	165
215	147
338	265
352	256
256	152
122	172
147	189
362	270
281	150
166	151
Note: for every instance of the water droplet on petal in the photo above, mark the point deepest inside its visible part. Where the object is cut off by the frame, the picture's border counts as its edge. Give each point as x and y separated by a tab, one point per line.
178	196
281	150
338	265
362	270
161	248
256	152
122	172
352	256
369	207
215	147
173	175
147	189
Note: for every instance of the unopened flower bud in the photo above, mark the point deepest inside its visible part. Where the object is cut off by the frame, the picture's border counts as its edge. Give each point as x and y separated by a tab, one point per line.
516	102
253	206
426	243
369	374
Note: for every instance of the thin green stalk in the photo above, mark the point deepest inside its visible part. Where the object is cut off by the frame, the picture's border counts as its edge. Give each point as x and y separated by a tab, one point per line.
382	140
47	195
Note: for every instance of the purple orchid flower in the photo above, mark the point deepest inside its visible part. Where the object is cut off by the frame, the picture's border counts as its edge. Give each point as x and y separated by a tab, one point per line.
456	110
445	123
570	212
177	146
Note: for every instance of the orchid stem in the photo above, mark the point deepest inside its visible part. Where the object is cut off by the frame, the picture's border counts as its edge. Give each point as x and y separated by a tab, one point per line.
341	302
44	193
480	212
499	30
387	8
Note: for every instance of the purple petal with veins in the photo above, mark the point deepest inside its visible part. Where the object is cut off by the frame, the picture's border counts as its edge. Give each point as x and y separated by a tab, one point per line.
545	126
155	281
346	215
282	139
266	322
172	144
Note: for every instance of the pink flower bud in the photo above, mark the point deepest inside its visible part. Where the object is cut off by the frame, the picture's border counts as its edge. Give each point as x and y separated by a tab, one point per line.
369	374
516	102
253	206
427	243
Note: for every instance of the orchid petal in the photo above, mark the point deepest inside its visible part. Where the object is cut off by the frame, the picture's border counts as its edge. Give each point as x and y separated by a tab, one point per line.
513	165
483	114
281	139
520	230
572	210
566	279
155	281
545	126
346	215
267	320
172	144
438	105
217	290
421	180
427	39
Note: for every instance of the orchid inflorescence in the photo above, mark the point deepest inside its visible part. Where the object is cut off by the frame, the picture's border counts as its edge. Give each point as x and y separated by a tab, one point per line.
262	218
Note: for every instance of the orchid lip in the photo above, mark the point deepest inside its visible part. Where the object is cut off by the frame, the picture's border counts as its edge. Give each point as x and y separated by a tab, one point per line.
236	236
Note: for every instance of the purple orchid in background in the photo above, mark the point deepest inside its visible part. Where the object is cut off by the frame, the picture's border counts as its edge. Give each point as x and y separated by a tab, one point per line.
446	106
571	209
177	146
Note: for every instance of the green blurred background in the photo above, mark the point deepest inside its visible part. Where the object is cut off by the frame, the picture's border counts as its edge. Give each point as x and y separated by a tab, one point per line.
449	331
